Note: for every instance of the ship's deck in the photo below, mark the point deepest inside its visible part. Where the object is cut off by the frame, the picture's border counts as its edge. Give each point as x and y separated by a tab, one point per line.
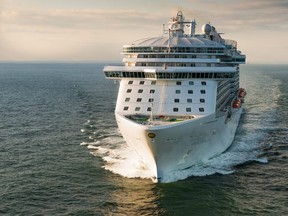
159	120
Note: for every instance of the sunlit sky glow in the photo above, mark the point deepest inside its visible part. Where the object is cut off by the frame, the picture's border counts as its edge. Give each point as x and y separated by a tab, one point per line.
95	30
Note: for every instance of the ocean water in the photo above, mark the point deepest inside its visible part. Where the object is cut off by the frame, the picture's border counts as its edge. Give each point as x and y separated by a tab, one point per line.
61	152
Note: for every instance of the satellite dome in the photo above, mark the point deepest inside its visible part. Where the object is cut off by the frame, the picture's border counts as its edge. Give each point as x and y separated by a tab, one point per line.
206	29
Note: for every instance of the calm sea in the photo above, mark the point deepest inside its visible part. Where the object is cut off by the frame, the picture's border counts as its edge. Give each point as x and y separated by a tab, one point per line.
61	152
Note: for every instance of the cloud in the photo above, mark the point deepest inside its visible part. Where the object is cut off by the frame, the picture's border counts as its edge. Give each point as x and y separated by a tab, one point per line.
93	19
256	14
67	33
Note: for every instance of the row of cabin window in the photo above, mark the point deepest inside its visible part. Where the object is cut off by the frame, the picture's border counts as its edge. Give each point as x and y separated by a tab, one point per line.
175	109
176	100
175	64
152	91
170	50
170	75
154	82
169	56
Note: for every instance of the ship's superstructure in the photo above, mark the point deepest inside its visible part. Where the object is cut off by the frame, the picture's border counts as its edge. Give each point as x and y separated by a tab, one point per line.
179	100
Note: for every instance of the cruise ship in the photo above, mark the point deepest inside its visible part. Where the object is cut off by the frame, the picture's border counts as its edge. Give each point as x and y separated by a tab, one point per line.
179	100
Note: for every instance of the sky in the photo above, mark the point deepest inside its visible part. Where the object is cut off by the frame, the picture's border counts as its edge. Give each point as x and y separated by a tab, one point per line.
96	30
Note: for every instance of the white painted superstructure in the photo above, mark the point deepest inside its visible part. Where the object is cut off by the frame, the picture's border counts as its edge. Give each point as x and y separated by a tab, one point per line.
179	100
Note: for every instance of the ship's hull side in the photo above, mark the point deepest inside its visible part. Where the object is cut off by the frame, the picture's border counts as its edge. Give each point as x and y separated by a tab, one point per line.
180	145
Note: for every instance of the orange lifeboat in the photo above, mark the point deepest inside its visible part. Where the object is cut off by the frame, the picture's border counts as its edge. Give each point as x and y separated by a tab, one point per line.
236	104
241	93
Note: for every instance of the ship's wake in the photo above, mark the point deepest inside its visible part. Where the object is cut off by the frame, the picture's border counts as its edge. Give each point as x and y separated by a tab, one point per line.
120	159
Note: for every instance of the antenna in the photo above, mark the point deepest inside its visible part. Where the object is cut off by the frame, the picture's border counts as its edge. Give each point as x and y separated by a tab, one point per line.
193	27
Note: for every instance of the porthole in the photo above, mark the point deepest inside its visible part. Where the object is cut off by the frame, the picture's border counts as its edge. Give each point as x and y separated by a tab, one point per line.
151	135
201	109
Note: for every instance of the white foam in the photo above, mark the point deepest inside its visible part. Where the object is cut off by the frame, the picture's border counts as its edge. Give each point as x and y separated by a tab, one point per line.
263	160
84	143
122	160
92	147
90	143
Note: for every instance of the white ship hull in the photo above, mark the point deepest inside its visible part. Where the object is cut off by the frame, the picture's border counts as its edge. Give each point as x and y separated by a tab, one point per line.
179	145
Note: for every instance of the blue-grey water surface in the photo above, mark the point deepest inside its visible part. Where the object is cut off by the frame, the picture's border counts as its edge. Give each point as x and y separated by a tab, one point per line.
58	136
